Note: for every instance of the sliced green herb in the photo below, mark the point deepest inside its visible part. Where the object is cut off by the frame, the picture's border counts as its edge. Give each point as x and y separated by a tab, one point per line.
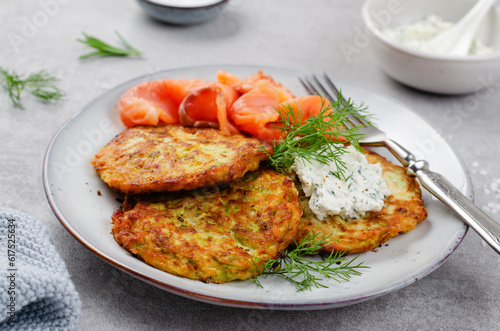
305	273
40	84
105	49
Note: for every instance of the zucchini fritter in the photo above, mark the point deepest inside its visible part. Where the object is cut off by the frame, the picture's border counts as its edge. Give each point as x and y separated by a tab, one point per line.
212	234
402	211
146	159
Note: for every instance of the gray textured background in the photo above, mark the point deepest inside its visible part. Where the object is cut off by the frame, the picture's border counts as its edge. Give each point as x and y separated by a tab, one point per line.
306	35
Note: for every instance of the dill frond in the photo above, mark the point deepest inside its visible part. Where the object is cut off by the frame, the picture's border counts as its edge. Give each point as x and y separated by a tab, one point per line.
321	137
40	84
306	273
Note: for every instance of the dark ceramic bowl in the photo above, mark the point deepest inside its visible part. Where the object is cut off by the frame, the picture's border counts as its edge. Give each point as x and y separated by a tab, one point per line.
182	15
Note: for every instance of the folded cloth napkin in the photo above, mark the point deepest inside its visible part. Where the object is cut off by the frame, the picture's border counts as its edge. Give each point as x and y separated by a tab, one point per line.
36	292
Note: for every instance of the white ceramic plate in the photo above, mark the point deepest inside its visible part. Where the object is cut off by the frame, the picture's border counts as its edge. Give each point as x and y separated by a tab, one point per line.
72	188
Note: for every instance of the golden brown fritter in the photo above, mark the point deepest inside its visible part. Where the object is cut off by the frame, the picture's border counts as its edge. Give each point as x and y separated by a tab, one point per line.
402	211
146	159
212	234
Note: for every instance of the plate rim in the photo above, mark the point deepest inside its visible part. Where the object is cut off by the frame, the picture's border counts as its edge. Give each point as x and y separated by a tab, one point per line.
233	302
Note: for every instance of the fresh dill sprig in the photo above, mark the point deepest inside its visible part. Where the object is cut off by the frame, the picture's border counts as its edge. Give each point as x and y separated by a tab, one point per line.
105	49
319	137
358	112
305	273
40	84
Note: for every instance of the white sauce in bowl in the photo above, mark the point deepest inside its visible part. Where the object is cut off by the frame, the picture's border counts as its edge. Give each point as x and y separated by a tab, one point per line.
417	34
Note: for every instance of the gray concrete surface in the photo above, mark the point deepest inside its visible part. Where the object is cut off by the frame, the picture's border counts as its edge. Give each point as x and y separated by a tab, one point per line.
463	294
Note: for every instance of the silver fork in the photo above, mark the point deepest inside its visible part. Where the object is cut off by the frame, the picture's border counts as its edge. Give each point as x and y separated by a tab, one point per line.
435	183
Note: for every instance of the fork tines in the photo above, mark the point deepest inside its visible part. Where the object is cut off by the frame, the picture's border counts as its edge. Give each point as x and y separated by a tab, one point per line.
315	86
318	88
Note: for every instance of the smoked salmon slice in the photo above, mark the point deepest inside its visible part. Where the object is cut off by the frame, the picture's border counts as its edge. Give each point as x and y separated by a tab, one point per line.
246	85
147	103
255	109
259	111
208	106
304	107
153	102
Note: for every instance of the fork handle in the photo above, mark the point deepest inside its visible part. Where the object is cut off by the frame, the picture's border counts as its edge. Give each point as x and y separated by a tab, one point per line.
440	187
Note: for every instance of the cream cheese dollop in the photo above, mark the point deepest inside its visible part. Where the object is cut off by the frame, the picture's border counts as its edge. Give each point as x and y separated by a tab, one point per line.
359	191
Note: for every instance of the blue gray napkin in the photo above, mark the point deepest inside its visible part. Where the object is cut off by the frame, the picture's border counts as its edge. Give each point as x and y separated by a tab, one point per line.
36	292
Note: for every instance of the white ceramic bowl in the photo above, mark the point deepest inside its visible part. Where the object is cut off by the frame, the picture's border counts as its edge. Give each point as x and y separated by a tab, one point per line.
183	12
428	72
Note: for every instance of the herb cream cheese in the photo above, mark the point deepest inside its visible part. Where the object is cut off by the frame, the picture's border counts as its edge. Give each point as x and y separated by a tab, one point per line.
415	35
359	191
